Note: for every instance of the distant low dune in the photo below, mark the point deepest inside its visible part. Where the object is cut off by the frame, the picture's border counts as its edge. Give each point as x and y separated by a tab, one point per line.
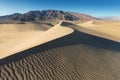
23	27
105	29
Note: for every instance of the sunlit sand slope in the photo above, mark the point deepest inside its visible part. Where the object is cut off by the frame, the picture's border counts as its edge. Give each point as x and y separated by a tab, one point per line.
106	29
13	43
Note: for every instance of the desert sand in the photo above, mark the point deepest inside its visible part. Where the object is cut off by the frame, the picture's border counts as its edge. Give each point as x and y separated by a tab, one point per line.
14	44
76	56
105	29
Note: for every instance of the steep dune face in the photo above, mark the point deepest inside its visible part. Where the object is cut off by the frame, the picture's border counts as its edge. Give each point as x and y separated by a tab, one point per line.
77	56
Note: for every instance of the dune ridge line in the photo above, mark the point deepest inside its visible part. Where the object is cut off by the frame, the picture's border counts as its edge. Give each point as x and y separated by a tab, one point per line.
55	32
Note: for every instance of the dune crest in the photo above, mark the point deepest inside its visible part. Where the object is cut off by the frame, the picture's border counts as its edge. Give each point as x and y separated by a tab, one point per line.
37	39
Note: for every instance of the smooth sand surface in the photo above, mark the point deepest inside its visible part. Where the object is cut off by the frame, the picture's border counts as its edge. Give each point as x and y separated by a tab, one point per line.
13	43
106	29
23	27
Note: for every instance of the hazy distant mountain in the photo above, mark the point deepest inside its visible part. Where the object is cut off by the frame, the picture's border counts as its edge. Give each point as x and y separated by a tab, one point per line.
46	15
111	18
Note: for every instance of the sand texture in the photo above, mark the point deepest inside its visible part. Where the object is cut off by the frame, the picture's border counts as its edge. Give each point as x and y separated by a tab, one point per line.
77	56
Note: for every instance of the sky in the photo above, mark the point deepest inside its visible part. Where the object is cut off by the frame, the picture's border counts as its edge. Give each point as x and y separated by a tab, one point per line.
95	8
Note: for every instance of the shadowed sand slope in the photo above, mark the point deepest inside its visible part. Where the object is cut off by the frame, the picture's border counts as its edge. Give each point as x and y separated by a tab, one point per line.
77	56
106	29
20	42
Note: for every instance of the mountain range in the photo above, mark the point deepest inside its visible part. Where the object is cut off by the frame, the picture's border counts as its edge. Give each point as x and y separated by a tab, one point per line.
45	15
110	18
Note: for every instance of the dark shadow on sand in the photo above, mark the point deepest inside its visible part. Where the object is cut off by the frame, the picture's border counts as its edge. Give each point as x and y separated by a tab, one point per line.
72	39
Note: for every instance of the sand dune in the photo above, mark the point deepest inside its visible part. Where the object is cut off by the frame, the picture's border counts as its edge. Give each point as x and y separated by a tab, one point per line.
77	56
106	29
31	39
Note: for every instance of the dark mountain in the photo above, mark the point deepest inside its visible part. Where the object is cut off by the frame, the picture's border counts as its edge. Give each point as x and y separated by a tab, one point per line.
46	15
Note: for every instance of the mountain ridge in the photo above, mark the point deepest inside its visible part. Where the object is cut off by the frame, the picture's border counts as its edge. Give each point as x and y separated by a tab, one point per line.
45	15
